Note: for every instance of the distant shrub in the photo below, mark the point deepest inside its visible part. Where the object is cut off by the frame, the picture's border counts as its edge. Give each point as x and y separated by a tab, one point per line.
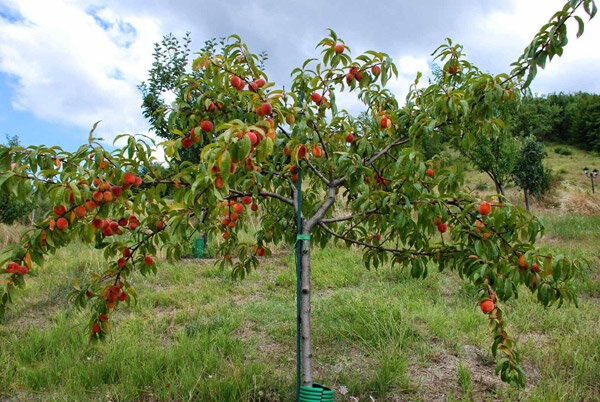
563	151
482	185
563	171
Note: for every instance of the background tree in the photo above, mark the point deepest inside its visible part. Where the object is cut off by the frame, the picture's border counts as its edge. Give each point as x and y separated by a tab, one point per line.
567	118
529	172
494	155
12	209
171	65
364	185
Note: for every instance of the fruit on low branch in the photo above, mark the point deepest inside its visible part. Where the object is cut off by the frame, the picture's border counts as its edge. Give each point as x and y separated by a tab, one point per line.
429	172
486	306
485	208
62	223
442	227
247	199
522	263
219	182
148	260
315	97
349	138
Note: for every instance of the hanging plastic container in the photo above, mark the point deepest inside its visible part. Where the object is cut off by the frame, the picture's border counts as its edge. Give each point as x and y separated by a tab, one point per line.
315	393
199	247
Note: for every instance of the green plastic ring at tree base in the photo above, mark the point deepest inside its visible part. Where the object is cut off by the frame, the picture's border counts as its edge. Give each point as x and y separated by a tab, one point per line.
315	393
199	247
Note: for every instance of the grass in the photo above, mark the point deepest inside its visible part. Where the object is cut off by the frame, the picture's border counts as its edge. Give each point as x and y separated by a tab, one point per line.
196	334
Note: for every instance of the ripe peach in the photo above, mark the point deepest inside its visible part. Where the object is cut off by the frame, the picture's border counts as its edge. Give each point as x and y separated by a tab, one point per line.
429	172
186	142
80	211
121	262
535	267
126	252
339	48
486	306
350	137
148	260
107	231
59	210
260	82
261	252
253	138
122	296
132	225
522	263
485	208
301	152
107	196
349	78
316	151
266	108
90	205
21	270
62	223
358	76
238	208
12	267
235	81
129	178
442	227
97	196
385	123
116	190
206	126
138	181
315	97
103	317
97	223
219	182
376	70
95	328
247	199
254	207
96	182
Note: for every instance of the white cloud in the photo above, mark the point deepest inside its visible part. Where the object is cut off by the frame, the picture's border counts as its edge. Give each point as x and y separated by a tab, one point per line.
499	37
76	62
78	66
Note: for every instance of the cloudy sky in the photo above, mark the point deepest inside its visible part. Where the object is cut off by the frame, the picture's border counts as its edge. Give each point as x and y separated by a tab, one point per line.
65	64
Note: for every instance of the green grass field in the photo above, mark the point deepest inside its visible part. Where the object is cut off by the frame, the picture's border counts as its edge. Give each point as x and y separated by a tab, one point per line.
197	334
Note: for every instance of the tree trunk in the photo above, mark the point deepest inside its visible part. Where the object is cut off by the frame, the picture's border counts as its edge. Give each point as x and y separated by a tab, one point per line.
501	189
307	370
526	199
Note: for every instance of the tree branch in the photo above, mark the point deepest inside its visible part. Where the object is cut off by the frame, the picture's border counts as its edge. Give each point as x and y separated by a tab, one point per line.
399	141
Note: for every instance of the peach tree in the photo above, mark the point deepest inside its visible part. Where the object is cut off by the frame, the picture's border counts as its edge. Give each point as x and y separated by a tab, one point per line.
276	157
